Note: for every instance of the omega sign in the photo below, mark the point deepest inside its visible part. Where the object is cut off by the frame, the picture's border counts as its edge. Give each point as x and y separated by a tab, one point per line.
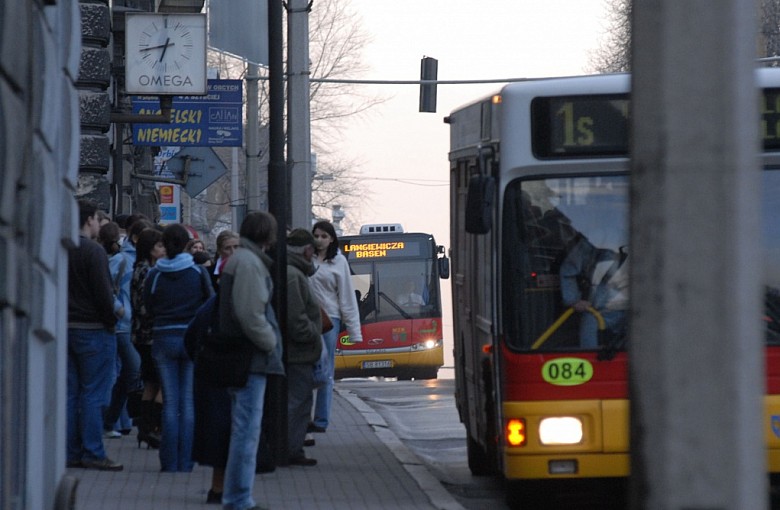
164	81
165	54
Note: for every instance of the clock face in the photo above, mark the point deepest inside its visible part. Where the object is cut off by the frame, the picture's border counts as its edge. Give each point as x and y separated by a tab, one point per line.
165	53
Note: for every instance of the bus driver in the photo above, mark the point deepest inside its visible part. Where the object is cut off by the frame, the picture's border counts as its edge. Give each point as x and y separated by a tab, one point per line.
409	297
596	278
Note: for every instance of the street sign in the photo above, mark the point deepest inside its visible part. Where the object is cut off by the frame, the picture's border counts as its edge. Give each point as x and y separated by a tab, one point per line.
213	120
198	167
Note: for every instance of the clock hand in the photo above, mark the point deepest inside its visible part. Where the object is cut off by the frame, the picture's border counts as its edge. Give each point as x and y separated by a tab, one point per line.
165	48
156	47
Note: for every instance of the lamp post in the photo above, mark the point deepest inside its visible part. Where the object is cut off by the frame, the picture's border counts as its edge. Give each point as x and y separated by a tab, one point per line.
337	213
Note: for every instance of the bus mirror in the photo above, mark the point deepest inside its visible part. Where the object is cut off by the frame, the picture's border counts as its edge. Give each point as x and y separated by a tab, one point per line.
444	268
479	204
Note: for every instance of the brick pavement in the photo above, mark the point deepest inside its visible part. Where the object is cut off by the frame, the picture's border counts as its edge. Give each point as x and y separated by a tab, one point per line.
362	465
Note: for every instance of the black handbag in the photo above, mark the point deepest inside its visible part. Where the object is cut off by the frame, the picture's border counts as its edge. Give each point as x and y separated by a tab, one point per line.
220	361
224	363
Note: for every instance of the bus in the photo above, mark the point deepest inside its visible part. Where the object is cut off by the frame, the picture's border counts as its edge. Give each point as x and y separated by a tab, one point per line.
396	279
539	246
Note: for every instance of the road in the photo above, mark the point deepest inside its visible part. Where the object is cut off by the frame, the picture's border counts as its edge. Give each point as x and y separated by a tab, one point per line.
422	414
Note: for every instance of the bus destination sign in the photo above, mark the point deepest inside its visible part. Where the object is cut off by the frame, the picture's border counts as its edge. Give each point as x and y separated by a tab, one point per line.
577	126
380	249
597	125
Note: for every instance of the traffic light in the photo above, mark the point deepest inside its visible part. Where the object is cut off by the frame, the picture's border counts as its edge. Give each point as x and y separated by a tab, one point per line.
428	71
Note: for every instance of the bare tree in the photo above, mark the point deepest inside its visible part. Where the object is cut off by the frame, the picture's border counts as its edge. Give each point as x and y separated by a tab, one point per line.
614	54
336	40
335	50
769	29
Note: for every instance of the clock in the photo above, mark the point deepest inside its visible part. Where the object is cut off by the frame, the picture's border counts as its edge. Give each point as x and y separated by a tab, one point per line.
165	54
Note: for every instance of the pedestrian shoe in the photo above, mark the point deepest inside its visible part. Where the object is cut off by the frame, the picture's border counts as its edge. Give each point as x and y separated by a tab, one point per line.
309	441
214	497
302	461
102	465
314	428
74	464
111	434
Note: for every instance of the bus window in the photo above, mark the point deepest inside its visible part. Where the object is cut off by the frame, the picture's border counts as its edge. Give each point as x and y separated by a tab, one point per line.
771	254
363	283
406	290
565	246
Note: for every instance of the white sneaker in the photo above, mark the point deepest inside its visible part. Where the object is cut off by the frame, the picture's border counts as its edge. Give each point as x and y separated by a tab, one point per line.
112	434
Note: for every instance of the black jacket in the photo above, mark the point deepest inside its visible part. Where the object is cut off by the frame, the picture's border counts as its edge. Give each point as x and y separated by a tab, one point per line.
90	294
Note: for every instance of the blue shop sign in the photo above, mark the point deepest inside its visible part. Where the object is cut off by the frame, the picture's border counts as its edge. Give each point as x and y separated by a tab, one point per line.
213	120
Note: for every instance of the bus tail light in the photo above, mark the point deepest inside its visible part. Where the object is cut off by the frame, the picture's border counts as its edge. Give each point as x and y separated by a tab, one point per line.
560	430
516	432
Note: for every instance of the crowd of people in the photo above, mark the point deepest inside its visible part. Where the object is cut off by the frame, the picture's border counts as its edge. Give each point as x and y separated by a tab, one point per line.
142	302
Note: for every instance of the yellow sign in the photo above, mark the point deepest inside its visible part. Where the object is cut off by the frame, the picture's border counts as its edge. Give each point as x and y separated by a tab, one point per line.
364	250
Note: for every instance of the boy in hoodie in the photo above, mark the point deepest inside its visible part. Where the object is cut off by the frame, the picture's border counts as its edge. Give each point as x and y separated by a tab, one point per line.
174	289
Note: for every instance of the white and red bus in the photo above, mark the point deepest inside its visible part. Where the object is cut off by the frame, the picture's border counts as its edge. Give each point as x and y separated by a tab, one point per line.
539	177
396	279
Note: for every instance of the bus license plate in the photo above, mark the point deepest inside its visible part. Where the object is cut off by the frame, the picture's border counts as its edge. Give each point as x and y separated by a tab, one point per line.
378	364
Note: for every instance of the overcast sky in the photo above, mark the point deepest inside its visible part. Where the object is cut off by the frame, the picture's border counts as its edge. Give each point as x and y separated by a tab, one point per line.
472	39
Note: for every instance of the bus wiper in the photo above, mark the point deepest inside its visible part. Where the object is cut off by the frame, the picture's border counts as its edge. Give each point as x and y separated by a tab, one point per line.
395	305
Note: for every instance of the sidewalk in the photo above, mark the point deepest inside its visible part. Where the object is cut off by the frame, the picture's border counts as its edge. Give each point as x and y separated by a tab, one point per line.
361	465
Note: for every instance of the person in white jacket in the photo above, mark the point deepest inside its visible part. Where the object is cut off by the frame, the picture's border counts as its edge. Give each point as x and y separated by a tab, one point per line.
333	286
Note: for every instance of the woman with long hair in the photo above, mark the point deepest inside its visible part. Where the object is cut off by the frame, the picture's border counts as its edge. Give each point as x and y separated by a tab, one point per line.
333	286
149	249
227	243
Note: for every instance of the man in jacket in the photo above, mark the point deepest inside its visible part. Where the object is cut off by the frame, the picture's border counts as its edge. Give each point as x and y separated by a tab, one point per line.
304	341
91	345
245	312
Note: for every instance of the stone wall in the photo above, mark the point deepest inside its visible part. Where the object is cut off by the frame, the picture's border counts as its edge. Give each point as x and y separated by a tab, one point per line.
40	53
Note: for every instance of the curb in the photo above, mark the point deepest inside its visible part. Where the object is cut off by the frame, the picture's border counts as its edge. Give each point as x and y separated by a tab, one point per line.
430	485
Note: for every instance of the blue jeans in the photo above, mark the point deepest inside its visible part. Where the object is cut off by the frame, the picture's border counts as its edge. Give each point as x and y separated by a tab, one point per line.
178	415
325	393
129	380
91	372
247	414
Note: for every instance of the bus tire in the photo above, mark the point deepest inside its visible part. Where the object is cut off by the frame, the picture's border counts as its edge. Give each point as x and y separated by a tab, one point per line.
480	463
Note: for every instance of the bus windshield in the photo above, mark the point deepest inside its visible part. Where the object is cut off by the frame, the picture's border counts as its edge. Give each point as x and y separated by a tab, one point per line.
396	289
565	247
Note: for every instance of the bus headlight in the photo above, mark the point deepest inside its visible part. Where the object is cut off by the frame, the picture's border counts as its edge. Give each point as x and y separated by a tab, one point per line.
426	345
560	430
